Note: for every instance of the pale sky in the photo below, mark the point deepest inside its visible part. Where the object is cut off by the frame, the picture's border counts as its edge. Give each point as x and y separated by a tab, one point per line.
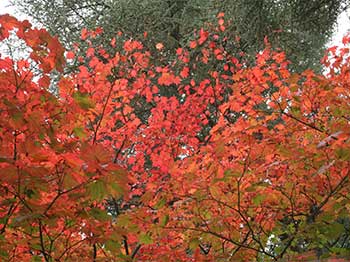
5	7
342	28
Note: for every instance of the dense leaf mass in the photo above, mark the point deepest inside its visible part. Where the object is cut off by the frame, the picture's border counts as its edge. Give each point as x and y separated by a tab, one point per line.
132	160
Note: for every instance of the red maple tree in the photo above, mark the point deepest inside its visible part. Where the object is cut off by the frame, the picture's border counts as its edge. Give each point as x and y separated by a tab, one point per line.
205	158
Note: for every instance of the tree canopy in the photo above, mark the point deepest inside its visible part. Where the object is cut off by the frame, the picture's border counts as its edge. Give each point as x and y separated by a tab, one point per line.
83	177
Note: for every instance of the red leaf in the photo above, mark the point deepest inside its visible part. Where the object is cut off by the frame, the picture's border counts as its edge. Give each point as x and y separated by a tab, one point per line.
184	72
168	79
70	55
84	34
193	44
203	36
220	15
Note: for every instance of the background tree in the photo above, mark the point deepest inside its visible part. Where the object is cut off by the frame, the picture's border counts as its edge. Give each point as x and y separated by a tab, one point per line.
301	28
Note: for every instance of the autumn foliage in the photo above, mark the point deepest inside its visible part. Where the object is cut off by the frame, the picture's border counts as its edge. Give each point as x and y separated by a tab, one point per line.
202	158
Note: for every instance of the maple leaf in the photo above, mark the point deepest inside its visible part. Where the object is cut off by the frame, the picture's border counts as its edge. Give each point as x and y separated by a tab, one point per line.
84	34
70	55
184	72
203	36
193	44
221	22
131	45
168	79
